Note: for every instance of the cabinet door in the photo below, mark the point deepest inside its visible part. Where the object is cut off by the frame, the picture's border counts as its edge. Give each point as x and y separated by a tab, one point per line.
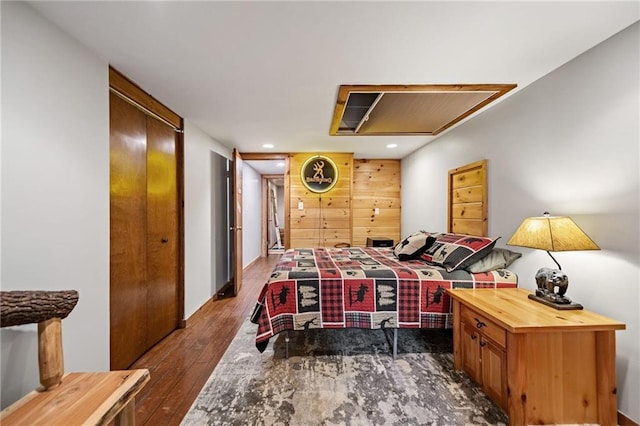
494	380
470	340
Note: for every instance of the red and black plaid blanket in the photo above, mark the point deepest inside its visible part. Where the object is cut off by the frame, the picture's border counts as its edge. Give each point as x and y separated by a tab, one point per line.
360	287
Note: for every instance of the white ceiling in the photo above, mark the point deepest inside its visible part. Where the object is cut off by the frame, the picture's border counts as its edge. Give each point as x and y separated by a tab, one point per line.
249	73
267	167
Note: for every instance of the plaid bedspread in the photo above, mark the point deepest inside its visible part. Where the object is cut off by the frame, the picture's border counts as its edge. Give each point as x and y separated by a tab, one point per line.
361	287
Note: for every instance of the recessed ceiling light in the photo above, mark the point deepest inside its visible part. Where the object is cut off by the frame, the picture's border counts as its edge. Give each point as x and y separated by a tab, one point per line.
392	145
267	145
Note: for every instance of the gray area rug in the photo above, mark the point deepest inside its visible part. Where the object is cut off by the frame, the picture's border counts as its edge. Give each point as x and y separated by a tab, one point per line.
342	377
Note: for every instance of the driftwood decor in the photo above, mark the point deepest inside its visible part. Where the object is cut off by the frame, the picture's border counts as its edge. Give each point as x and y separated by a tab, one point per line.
29	307
47	309
101	398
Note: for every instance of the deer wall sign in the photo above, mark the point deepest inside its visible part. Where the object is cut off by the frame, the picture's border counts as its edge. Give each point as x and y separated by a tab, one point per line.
319	174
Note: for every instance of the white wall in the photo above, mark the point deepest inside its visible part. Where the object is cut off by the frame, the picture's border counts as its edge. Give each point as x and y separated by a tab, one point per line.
280	201
251	214
55	193
199	207
569	144
55	190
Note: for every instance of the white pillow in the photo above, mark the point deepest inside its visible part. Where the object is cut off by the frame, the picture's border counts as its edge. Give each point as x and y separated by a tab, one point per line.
498	258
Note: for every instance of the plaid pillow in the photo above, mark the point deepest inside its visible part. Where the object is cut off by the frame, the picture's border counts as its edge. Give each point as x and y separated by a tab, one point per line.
413	246
456	251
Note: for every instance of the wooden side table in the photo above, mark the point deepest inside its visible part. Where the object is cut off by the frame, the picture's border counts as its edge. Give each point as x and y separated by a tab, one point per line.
540	364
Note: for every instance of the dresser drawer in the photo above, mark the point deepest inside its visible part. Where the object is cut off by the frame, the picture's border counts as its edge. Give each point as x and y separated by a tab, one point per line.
485	326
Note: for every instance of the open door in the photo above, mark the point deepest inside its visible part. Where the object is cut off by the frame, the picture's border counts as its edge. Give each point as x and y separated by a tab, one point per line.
236	229
273	201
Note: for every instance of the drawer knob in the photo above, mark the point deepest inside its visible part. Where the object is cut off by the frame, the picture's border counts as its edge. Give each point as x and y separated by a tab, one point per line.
483	344
474	336
479	324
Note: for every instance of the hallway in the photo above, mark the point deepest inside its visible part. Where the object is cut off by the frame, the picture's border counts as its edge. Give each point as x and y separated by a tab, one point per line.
182	362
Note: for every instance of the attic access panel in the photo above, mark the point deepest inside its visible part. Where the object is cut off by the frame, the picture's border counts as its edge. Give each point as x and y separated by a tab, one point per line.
408	110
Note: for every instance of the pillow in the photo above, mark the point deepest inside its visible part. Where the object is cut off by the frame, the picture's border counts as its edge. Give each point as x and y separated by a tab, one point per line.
498	258
456	251
413	246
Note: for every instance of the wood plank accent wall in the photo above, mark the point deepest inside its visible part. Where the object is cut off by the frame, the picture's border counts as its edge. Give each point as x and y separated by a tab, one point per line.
325	219
376	184
468	204
346	213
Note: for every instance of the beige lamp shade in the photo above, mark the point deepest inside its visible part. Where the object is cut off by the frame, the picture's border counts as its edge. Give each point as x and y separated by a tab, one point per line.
551	233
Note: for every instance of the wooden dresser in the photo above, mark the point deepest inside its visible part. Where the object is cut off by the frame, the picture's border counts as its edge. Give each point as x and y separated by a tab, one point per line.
542	365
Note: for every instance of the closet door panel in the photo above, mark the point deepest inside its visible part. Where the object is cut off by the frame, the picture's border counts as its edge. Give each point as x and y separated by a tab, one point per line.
128	269
162	231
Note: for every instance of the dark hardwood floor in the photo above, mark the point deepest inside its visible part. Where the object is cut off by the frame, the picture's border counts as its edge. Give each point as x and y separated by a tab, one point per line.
183	361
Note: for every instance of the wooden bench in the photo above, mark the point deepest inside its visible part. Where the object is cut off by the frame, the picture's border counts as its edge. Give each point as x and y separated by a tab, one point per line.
65	399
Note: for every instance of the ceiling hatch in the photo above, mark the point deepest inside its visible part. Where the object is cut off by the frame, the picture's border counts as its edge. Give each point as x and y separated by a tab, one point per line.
408	109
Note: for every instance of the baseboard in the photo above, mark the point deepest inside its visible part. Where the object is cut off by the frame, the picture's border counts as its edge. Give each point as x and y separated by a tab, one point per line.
251	263
625	421
187	322
228	289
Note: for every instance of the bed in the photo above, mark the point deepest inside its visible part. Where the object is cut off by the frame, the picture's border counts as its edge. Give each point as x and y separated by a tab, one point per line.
389	288
361	287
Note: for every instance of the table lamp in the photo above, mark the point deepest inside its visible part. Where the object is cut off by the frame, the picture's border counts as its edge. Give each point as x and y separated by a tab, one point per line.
552	233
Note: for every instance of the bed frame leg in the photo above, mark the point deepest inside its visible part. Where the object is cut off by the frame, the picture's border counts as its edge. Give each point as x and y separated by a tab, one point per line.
286	344
395	343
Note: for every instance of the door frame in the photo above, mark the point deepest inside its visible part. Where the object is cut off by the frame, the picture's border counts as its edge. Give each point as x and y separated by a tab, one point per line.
265	213
134	94
284	157
236	229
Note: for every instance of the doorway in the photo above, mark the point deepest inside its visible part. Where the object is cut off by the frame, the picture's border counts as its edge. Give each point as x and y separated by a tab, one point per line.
234	222
221	224
273	220
146	222
273	169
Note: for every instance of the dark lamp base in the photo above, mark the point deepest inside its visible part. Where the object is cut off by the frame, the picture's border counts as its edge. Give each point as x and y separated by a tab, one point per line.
559	306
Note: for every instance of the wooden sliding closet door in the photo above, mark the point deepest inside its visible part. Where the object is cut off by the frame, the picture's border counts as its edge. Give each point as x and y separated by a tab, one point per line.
145	236
162	231
128	271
